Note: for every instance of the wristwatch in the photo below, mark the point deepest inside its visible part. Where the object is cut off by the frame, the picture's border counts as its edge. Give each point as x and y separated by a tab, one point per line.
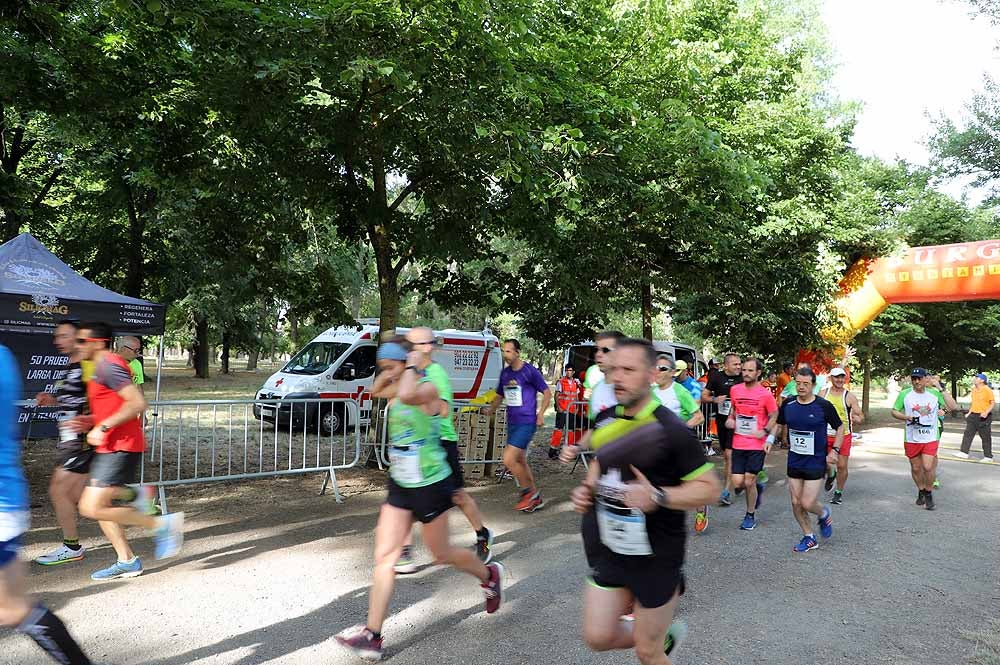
105	428
417	371
659	497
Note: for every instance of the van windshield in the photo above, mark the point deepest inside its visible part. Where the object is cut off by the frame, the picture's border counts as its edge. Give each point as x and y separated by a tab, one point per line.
315	358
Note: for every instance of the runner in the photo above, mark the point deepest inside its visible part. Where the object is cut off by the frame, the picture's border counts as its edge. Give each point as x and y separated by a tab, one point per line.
421	340
73	456
677	398
717	391
979	419
752	418
787	370
129	349
919	407
567	411
16	611
806	419
602	392
648	470
520	384
116	435
421	487
846	404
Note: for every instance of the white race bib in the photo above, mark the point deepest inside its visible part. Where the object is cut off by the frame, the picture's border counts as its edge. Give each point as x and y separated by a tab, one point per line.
404	466
623	530
14	524
746	425
512	395
802	442
920	433
725	407
66	435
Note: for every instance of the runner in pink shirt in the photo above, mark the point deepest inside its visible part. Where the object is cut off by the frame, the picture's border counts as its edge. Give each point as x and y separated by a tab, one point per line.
752	420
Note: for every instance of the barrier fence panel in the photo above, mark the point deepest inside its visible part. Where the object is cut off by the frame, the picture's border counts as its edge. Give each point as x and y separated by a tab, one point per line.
217	440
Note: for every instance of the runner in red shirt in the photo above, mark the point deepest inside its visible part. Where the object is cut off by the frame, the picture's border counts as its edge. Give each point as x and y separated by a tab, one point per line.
567	411
753	420
116	405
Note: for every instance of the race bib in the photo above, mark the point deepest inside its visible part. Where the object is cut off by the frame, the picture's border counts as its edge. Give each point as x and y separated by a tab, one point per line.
920	433
13	524
623	530
66	435
746	425
802	442
725	407
404	466
512	395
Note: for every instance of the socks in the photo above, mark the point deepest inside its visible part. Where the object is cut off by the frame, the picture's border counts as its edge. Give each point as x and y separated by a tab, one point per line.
73	544
51	635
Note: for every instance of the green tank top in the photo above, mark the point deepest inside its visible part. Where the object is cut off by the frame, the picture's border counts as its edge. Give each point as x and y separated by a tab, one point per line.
416	458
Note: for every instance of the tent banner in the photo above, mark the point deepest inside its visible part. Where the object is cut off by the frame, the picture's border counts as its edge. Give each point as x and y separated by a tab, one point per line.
41	367
41	313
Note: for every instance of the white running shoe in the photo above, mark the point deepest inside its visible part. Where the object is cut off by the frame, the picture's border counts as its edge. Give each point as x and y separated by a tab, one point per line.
61	554
987	460
960	455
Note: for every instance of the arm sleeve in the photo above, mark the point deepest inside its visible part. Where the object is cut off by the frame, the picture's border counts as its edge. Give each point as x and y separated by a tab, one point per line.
831	415
898	406
687	402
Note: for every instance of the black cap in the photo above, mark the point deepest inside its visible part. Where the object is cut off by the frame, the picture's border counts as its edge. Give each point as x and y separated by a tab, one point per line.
918	373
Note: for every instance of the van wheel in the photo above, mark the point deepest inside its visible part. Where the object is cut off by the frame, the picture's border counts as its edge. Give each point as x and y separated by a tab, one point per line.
332	421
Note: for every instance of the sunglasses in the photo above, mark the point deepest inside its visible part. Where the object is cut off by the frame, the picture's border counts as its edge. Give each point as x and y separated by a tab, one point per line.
605	349
130	348
84	340
665	368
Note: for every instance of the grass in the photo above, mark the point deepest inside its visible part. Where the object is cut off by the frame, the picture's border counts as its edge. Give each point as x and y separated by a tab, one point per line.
179	382
987	644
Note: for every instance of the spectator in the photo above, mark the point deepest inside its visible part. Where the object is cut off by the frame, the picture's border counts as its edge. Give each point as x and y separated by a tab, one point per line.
979	419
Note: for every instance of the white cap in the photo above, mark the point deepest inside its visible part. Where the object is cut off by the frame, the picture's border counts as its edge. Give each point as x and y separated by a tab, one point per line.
838	371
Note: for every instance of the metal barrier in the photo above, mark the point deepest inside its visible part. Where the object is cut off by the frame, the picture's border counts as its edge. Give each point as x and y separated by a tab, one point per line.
218	440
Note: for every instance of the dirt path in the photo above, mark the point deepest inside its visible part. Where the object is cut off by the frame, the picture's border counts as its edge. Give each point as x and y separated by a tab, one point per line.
270	571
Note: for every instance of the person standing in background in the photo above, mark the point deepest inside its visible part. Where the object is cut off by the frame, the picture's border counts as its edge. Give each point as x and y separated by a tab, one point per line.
979	420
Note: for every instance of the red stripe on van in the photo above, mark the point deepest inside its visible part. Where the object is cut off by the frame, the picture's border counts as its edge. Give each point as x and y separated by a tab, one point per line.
479	379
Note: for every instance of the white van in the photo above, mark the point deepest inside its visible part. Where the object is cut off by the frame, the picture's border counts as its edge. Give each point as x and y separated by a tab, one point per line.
581	356
340	363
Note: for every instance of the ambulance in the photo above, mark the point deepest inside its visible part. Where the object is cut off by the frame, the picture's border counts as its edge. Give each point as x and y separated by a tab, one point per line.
340	363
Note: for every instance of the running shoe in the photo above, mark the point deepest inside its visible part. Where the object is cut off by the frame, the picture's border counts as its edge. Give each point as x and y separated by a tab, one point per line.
739	491
61	554
535	502
676	634
831	478
169	536
937	484
807	543
762	477
987	460
749	523
494	588
145	500
701	520
524	500
825	523
119	570
484	546
838	497
725	499
760	495
362	642
929	503
405	564
960	455
711	452
627	618
920	498
553	453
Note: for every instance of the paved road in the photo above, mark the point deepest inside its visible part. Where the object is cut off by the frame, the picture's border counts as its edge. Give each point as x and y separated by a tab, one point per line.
269	579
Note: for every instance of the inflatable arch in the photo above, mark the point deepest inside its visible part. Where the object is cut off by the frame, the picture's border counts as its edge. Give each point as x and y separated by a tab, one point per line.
940	273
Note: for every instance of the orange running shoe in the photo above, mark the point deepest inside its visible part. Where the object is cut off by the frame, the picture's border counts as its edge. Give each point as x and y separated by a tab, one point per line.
701	520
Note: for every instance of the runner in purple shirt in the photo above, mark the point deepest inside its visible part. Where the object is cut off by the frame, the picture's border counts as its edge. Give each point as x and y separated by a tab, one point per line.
520	384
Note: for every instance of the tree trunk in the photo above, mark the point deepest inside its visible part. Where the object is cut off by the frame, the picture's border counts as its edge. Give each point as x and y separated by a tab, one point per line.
954	384
190	357
252	359
140	206
293	326
866	364
225	352
388	291
201	347
647	310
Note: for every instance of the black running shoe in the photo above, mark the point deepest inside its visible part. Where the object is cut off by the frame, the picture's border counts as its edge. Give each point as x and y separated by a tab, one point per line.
920	498
929	501
484	547
838	498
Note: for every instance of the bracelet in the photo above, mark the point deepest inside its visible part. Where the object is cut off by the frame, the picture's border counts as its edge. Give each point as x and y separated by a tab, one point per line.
770	439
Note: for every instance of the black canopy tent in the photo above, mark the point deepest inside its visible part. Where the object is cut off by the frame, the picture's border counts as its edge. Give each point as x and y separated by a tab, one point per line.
37	290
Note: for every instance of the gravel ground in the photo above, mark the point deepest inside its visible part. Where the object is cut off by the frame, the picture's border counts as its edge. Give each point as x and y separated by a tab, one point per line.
271	571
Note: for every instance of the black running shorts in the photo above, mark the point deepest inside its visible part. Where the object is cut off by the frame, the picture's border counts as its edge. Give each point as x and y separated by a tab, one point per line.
653	586
725	434
426	503
747	461
75	458
115	469
806	474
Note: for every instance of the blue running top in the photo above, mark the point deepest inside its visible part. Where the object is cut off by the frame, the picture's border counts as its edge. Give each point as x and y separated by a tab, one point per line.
13	488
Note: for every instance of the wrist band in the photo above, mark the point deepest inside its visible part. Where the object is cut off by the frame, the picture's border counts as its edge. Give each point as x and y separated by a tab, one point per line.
770	439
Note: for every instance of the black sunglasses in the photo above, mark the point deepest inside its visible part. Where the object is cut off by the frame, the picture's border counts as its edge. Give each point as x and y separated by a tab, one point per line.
665	368
606	349
130	348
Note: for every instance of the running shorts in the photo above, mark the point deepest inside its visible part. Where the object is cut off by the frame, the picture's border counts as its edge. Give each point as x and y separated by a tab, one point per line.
652	586
915	449
806	474
451	448
9	550
747	461
845	447
75	458
115	469
520	435
426	503
725	434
